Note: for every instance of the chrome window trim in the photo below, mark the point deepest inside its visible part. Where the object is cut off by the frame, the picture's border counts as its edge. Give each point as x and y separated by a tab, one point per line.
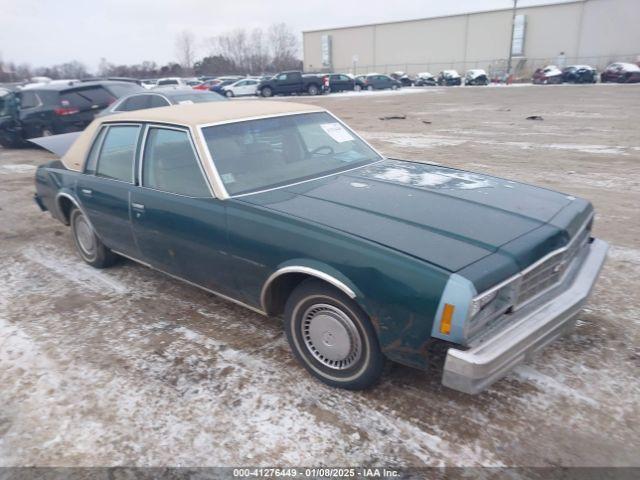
523	272
308	271
133	163
217	180
143	144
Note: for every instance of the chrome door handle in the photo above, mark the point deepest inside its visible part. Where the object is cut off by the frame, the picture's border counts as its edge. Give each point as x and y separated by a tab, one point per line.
87	191
137	206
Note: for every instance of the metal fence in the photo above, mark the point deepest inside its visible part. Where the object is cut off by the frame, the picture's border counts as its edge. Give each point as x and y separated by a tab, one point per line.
523	68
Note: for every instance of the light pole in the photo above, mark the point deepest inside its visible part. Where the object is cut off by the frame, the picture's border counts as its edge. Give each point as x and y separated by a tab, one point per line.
513	26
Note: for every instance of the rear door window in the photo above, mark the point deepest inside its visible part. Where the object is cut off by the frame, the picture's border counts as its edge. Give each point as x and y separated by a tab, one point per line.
158	101
170	164
117	153
29	100
137	102
92	158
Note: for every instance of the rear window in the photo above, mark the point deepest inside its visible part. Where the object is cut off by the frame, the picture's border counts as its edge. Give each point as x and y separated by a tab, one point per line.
137	102
167	82
86	98
122	89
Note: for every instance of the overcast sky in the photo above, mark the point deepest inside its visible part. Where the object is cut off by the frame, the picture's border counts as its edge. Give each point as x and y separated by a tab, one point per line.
47	32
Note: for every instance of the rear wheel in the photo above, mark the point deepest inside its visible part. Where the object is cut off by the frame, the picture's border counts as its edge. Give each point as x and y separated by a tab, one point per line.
370	88
357	88
312	90
89	246
332	337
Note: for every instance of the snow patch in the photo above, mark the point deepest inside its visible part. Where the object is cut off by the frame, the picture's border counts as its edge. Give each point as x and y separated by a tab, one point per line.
76	271
16	168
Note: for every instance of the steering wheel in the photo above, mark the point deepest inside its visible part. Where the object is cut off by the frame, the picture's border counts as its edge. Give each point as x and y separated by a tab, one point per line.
329	149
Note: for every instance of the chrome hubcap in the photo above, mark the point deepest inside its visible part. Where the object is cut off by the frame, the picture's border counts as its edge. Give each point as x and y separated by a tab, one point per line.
85	236
331	336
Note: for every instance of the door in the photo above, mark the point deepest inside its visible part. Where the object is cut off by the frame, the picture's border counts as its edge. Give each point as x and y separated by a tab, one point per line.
289	82
248	87
9	133
104	195
33	118
178	225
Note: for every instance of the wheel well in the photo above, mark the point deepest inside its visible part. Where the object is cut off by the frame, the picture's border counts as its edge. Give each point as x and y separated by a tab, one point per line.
280	289
65	205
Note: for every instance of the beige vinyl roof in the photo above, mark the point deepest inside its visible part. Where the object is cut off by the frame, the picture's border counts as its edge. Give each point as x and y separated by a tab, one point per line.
190	115
212	112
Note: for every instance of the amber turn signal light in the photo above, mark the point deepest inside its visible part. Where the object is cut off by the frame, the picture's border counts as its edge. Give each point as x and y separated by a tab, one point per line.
445	321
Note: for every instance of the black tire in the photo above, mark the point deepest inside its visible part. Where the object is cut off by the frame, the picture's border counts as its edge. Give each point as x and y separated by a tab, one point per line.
266	92
312	90
349	355
88	245
228	94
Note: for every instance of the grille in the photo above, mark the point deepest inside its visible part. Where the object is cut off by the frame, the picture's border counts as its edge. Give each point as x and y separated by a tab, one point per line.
550	271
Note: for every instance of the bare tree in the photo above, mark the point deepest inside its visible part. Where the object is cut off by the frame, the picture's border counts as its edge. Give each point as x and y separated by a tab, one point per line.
185	49
284	46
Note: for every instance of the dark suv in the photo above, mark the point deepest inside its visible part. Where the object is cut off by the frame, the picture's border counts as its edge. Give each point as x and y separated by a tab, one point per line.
52	109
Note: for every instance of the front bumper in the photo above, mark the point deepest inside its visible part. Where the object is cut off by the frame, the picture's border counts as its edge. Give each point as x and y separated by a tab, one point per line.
529	329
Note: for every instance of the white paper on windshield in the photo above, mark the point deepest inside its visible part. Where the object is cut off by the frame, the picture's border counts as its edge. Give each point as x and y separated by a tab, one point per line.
185	102
337	132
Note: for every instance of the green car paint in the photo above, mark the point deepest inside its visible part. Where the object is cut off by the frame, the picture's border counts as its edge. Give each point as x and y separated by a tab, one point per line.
398	234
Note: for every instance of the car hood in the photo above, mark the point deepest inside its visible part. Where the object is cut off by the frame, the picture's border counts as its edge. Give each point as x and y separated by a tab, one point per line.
447	217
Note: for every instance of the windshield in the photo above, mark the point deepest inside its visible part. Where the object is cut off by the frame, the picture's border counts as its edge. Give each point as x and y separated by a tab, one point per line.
6	100
260	154
201	97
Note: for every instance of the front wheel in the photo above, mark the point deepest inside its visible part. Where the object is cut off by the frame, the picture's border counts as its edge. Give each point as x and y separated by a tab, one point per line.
266	92
89	246
370	88
332	337
228	94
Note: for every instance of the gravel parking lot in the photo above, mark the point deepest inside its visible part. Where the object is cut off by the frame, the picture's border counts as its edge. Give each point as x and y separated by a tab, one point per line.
128	367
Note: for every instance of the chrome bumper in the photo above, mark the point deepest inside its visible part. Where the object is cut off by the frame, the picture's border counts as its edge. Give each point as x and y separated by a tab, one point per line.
529	329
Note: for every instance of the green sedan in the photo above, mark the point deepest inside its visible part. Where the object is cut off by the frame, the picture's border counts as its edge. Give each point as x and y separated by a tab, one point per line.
284	209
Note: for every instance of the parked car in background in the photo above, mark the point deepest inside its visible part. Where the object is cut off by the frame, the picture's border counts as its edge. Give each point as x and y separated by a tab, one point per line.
206	85
547	76
425	79
241	88
257	202
449	78
338	82
149	83
165	82
476	77
359	82
621	72
160	97
403	78
579	74
52	109
376	81
219	84
292	82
